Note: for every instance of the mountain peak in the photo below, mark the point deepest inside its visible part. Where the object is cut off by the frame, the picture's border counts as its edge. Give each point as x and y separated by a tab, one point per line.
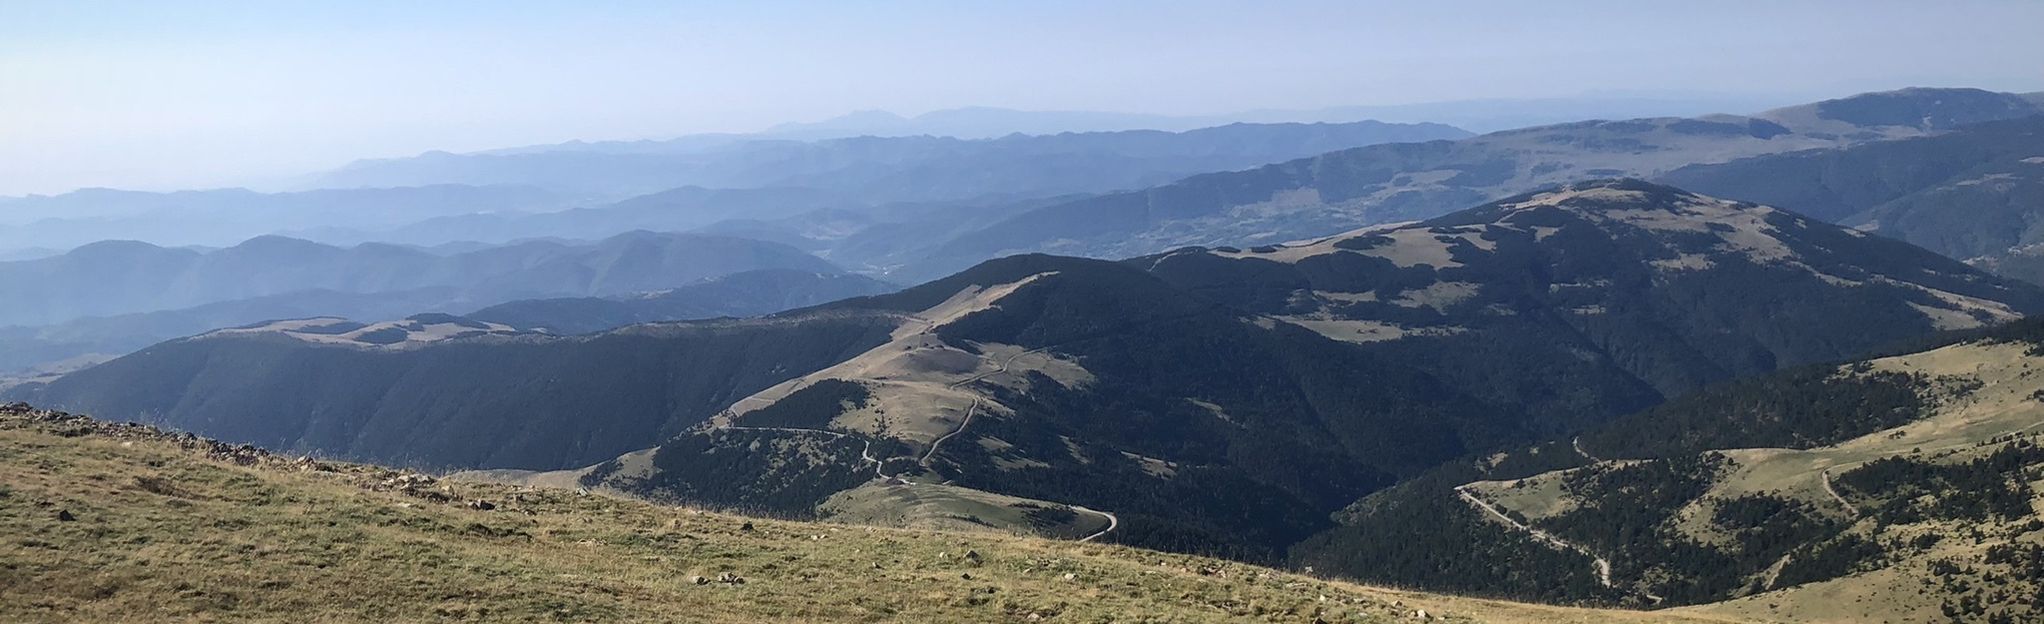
1601	195
1924	109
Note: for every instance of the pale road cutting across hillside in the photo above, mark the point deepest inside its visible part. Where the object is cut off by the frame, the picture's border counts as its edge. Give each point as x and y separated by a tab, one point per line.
1825	476
730	414
1849	509
1602	565
932	452
865	453
1112	521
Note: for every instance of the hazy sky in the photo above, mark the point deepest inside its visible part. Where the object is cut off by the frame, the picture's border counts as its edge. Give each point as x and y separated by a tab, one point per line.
161	95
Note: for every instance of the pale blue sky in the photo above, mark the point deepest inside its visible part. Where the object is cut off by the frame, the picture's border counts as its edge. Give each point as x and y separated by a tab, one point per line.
203	93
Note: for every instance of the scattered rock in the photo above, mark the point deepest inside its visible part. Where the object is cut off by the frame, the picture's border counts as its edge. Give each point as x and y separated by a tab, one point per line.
481	505
745	527
728	578
64	515
699	579
159	485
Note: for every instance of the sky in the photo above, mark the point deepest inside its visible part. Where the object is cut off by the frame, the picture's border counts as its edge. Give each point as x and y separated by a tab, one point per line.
208	93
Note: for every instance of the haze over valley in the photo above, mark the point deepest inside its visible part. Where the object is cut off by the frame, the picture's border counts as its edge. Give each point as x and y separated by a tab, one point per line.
1297	312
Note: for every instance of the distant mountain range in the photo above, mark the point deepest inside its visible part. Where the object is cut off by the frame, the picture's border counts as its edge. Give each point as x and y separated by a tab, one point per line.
1221	400
121	277
751	293
1976	193
906	168
914	208
1412	181
1778	366
1306	198
60	346
226	216
1476	115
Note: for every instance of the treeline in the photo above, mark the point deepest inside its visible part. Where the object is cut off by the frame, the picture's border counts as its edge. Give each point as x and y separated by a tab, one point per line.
1908	490
1801	408
784	474
811	407
1421	535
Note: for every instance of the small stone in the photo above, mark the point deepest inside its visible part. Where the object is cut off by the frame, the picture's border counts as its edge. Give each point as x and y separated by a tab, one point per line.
1071	577
699	580
966	576
481	505
64	515
745	527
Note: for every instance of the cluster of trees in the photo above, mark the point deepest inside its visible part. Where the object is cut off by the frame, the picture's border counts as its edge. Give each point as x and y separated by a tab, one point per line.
2005	585
773	473
1766	524
1907	490
1441	542
1799	408
1623	512
1829	559
811	407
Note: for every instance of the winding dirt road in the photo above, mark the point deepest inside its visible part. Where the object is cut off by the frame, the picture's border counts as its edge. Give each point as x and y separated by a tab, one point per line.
730	413
1849	508
1112	522
1602	565
865	453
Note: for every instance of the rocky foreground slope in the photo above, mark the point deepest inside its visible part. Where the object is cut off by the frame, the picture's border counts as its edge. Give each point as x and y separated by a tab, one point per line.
114	522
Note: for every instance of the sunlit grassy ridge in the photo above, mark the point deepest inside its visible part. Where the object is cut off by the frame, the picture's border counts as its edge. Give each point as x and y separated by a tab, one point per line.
111	523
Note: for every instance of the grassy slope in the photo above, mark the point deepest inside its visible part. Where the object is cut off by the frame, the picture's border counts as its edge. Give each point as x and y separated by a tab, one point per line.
2004	407
178	529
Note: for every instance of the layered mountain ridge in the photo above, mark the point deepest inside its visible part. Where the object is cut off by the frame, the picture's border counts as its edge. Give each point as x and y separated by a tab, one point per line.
894	168
118	277
1219	400
1972	193
1411	181
1622	291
